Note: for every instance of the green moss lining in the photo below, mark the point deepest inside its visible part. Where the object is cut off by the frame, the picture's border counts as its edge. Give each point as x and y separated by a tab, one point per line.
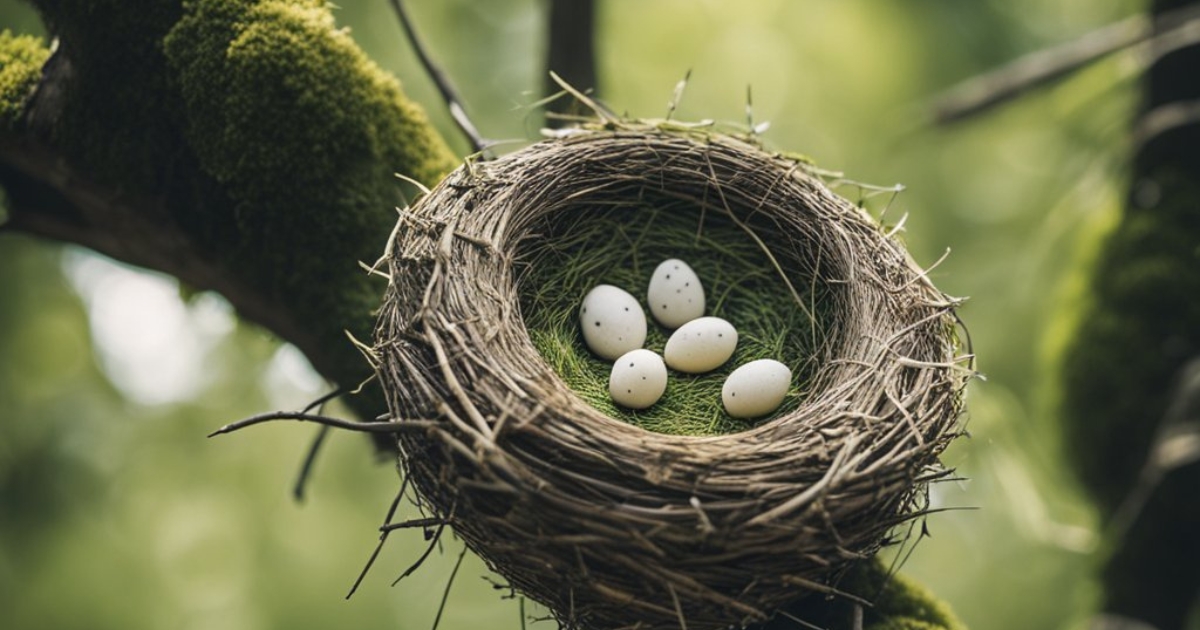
622	246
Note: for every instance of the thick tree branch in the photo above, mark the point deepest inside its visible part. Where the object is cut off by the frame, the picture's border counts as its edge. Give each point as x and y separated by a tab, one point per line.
247	148
51	199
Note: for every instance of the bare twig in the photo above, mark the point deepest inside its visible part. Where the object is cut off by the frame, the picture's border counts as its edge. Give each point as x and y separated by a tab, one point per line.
433	542
417	522
442	81
337	423
982	92
382	538
314	449
449	583
310	460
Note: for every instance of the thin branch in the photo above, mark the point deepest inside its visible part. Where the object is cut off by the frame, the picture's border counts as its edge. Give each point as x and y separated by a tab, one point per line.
310	461
983	92
800	621
320	402
416	522
1165	118
449	583
337	423
314	449
382	539
442	81
433	543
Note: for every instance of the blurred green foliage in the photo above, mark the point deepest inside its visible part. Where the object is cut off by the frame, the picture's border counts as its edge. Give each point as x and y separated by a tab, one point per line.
116	513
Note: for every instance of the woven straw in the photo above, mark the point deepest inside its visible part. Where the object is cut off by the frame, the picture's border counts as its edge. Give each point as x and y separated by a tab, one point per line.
612	526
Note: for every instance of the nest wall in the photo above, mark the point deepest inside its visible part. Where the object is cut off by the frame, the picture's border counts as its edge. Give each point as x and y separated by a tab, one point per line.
614	526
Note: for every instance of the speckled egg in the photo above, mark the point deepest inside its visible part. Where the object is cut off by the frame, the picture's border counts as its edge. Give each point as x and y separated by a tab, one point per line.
756	388
701	345
612	321
638	379
675	295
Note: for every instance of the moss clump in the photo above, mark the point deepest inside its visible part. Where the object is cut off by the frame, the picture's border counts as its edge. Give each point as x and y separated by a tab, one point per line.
901	603
276	94
21	59
898	603
622	247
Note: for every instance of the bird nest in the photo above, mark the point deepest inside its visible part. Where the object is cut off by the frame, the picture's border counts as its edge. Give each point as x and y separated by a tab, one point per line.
607	523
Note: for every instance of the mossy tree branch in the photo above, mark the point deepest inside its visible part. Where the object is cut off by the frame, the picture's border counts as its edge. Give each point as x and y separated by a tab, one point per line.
1124	372
244	146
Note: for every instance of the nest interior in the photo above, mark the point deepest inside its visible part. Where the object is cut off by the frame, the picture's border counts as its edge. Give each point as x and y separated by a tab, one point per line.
619	240
612	525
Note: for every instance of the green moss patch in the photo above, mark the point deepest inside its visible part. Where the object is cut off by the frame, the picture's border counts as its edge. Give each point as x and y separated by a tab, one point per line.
21	59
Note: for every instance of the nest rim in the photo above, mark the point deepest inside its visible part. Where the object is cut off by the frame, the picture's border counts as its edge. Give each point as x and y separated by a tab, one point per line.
511	463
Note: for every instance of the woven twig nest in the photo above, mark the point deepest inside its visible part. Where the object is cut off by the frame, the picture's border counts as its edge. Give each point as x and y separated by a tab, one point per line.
614	526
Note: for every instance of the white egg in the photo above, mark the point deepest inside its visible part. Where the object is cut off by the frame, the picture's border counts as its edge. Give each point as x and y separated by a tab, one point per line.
638	379
756	388
675	294
612	321
701	345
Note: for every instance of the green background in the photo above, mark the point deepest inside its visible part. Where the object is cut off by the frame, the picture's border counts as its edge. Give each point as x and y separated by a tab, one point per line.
116	512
